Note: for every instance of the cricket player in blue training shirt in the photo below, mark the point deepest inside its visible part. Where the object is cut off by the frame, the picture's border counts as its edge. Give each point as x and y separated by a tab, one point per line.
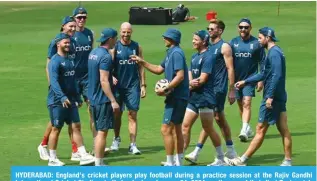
248	56
103	104
177	93
203	99
84	43
130	85
273	105
63	101
223	71
69	28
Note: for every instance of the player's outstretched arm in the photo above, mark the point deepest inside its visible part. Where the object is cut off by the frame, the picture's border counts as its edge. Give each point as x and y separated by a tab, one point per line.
155	69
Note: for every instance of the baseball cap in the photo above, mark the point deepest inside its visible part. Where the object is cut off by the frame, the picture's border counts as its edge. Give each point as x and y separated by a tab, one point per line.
203	35
61	36
267	31
79	11
173	34
246	20
66	20
106	34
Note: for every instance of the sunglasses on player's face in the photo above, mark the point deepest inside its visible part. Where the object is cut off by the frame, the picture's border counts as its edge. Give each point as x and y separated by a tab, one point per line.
244	27
81	17
210	29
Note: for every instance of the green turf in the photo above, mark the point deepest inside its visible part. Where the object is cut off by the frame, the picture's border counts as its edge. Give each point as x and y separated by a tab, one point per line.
28	27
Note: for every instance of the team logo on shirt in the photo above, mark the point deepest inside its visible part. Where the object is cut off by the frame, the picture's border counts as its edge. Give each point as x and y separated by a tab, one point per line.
195	71
200	60
118	52
216	51
235	45
63	63
251	46
89	38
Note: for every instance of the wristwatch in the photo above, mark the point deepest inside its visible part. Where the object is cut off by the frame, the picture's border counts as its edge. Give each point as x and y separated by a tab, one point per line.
143	85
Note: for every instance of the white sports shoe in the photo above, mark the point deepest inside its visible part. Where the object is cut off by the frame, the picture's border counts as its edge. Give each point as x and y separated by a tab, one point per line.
86	159
75	157
43	152
235	162
55	162
134	150
243	136
231	154
218	162
192	157
286	163
107	150
250	133
115	144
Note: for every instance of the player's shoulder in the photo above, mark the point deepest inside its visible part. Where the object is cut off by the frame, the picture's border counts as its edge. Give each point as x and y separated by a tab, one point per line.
56	59
88	31
234	40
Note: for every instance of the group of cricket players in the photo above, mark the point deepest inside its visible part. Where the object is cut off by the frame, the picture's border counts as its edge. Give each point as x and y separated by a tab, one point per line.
110	79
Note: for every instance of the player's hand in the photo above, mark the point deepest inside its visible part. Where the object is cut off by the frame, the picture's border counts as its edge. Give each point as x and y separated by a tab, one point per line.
239	84
194	83
268	103
66	103
143	92
114	80
160	92
259	86
231	97
137	59
115	106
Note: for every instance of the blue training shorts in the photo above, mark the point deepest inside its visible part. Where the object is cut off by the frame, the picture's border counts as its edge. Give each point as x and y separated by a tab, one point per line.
174	111
220	101
103	116
60	115
83	88
129	97
271	115
248	90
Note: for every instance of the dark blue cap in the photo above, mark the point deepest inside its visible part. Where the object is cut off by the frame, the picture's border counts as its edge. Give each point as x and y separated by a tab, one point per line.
66	20
79	10
203	35
106	34
246	20
173	34
61	36
267	31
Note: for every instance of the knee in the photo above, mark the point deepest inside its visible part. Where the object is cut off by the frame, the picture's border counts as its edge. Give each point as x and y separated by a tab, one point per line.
247	104
76	127
132	115
260	130
165	130
185	128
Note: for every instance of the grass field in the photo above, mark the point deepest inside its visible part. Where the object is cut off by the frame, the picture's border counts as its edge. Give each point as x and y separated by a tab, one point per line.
28	27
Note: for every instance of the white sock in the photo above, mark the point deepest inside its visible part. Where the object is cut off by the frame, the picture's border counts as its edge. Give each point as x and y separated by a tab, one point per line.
230	148
98	161
82	150
220	154
179	159
245	126
170	159
244	158
132	144
197	150
52	154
